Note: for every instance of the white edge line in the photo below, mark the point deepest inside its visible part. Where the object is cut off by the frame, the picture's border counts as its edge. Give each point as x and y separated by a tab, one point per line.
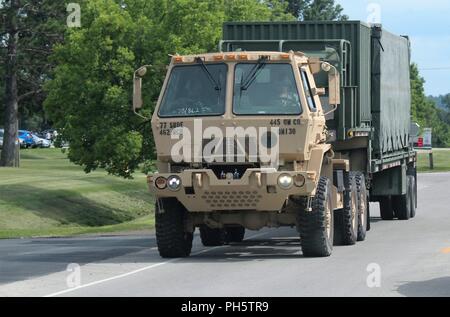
140	270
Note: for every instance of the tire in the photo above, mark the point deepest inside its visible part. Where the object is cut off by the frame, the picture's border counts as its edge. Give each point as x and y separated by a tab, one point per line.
369	219
413	196
386	209
346	225
402	203
363	210
212	237
235	234
317	226
172	239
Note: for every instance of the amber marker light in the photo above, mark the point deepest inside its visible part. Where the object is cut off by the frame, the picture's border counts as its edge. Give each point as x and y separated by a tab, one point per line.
161	183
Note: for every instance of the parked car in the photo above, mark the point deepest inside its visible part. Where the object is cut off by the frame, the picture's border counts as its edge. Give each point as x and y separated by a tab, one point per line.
27	138
40	142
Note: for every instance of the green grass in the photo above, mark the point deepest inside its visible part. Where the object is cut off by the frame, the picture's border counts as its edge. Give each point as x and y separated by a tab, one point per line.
441	161
49	196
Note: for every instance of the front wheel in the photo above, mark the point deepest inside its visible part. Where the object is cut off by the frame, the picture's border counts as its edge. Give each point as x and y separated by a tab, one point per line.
316	226
172	238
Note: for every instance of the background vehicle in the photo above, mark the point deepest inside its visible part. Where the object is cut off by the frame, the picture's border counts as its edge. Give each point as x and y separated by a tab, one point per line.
338	93
27	139
41	142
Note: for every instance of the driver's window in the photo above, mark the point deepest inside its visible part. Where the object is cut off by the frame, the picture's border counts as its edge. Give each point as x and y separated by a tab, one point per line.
308	91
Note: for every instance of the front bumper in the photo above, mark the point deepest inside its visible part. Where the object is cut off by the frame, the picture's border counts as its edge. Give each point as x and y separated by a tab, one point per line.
257	190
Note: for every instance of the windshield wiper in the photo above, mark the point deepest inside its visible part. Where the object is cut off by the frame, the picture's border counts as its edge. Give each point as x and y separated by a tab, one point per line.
216	85
254	73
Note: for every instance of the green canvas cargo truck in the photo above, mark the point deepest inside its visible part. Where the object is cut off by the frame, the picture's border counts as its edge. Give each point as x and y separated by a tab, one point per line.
297	124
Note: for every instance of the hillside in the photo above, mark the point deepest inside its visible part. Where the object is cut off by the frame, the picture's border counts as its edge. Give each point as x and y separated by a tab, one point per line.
49	196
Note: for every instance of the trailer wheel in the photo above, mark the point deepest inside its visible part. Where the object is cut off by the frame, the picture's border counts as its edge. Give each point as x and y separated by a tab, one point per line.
172	239
363	210
402	203
235	234
212	237
347	219
413	195
317	226
386	209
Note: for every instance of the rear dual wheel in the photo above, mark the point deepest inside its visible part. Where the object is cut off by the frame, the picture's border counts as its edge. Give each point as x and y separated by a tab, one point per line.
402	207
347	219
405	205
363	206
386	208
413	185
235	234
212	237
218	237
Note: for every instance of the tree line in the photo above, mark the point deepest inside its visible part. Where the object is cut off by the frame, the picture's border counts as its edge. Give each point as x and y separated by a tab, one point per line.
78	79
426	112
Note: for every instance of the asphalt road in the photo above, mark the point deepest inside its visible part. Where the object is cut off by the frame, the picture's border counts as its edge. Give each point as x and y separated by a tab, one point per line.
398	259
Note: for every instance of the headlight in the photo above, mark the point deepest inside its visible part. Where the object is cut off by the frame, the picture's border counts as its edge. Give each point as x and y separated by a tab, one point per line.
285	181
174	183
299	180
161	183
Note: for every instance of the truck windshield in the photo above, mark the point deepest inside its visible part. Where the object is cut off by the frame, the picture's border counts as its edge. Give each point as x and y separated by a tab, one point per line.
273	91
191	92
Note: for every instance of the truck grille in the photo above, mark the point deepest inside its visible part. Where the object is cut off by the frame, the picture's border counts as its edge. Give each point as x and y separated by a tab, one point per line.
232	199
238	150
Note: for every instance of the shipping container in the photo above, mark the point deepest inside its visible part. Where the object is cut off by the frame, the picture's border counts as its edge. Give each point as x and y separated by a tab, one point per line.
374	66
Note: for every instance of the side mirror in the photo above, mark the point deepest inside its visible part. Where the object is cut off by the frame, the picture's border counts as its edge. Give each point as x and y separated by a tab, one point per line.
137	87
334	85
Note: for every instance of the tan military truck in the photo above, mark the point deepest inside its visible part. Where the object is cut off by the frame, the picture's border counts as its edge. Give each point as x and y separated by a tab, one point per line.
246	139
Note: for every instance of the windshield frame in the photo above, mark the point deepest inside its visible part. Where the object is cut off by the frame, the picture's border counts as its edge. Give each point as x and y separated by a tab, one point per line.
268	63
225	89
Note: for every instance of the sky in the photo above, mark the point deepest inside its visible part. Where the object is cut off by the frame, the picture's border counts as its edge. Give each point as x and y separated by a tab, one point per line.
426	22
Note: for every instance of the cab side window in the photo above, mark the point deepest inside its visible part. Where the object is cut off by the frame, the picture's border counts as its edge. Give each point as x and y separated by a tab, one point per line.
308	91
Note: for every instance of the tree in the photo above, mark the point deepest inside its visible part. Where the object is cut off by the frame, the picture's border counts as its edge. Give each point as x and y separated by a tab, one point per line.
89	95
30	29
446	101
425	112
297	7
11	39
316	10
